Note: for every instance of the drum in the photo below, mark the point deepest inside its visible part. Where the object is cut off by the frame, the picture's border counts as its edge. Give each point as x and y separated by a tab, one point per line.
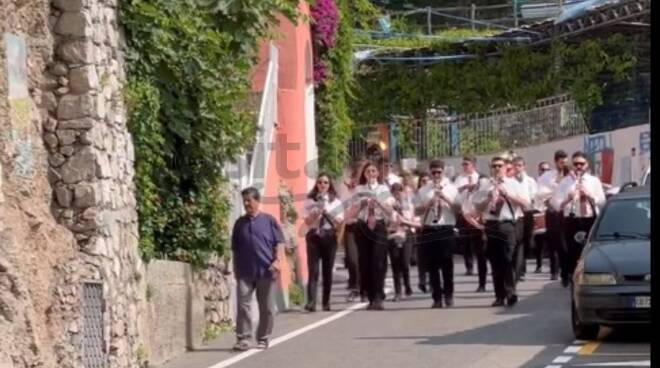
539	223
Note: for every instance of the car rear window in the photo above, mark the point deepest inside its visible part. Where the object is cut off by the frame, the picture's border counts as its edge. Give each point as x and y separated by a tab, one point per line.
626	218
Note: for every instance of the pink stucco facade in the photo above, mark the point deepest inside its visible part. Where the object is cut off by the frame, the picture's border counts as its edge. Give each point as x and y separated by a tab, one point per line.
289	151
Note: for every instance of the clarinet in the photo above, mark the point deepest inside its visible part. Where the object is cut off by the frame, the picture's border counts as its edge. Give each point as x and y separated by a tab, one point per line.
437	209
576	200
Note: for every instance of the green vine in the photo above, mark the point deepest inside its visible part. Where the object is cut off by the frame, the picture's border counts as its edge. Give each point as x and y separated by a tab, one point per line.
519	76
333	123
189	65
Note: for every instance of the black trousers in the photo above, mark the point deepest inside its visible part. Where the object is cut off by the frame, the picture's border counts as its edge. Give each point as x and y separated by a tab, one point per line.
400	251
573	248
320	248
541	248
372	257
500	249
555	240
473	246
527	240
438	247
351	258
422	273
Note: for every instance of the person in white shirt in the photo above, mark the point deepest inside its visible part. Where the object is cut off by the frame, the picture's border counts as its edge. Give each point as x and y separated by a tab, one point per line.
399	237
346	190
540	240
389	175
323	212
372	207
548	185
436	204
470	237
526	223
500	204
423	179
579	197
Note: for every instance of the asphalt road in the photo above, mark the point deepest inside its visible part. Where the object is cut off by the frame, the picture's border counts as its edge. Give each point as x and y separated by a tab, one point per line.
534	333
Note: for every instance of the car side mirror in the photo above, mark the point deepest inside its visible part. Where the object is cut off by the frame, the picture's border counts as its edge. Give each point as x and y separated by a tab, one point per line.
580	237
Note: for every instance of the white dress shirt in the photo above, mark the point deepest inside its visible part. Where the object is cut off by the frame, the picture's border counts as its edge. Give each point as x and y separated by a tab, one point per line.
380	192
334	210
531	187
395	227
592	187
447	216
392	178
513	187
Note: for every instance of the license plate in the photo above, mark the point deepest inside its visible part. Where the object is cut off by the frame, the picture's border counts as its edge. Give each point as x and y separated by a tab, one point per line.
642	302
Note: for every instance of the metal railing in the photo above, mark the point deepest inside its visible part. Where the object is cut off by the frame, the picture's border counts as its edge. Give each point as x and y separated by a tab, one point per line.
501	129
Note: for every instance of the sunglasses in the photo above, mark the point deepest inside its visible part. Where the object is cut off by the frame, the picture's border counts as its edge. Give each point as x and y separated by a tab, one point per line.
496	166
436	172
544	169
579	163
323	182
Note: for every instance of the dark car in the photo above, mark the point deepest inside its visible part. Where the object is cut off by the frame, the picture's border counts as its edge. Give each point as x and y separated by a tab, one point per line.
612	281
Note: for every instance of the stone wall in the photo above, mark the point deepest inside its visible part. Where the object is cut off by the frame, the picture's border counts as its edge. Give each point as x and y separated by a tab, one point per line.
67	216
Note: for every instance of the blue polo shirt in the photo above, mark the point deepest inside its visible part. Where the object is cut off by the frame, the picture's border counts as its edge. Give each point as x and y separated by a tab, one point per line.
253	242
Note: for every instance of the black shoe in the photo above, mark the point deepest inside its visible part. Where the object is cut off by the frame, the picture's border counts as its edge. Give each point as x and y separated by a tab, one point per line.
263	344
396	298
326	307
449	302
370	306
565	282
481	289
538	270
521	278
409	291
498	303
554	277
378	306
512	300
422	288
363	299
310	307
437	304
469	272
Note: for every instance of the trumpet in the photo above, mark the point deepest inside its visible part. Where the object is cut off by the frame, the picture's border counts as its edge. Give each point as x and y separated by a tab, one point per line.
437	209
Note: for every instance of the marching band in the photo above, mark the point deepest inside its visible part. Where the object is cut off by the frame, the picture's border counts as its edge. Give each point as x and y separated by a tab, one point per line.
500	219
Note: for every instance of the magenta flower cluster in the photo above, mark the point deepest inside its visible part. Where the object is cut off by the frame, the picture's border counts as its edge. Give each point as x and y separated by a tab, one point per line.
324	30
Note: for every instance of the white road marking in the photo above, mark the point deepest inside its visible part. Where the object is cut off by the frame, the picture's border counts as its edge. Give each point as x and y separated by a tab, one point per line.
292	334
562	359
572	349
641	363
553	366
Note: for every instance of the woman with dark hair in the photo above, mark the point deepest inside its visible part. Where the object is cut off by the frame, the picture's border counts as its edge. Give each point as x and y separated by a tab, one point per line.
372	206
323	212
424	178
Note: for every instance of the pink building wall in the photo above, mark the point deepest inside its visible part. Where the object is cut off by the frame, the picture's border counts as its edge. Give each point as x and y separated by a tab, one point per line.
289	150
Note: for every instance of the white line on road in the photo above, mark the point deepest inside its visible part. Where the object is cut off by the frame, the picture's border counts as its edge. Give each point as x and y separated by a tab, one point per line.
292	334
572	349
642	363
552	366
562	359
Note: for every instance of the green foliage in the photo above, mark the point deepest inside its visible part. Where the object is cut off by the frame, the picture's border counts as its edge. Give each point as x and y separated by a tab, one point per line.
472	143
519	76
141	355
333	122
213	331
296	296
439	40
189	67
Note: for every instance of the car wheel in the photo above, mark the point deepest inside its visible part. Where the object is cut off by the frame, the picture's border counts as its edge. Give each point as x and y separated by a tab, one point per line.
581	330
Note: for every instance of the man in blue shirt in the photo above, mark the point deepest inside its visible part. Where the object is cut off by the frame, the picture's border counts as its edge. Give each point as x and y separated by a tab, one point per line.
255	240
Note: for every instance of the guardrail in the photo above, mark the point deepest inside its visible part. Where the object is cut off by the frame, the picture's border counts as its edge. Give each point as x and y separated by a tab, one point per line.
551	119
